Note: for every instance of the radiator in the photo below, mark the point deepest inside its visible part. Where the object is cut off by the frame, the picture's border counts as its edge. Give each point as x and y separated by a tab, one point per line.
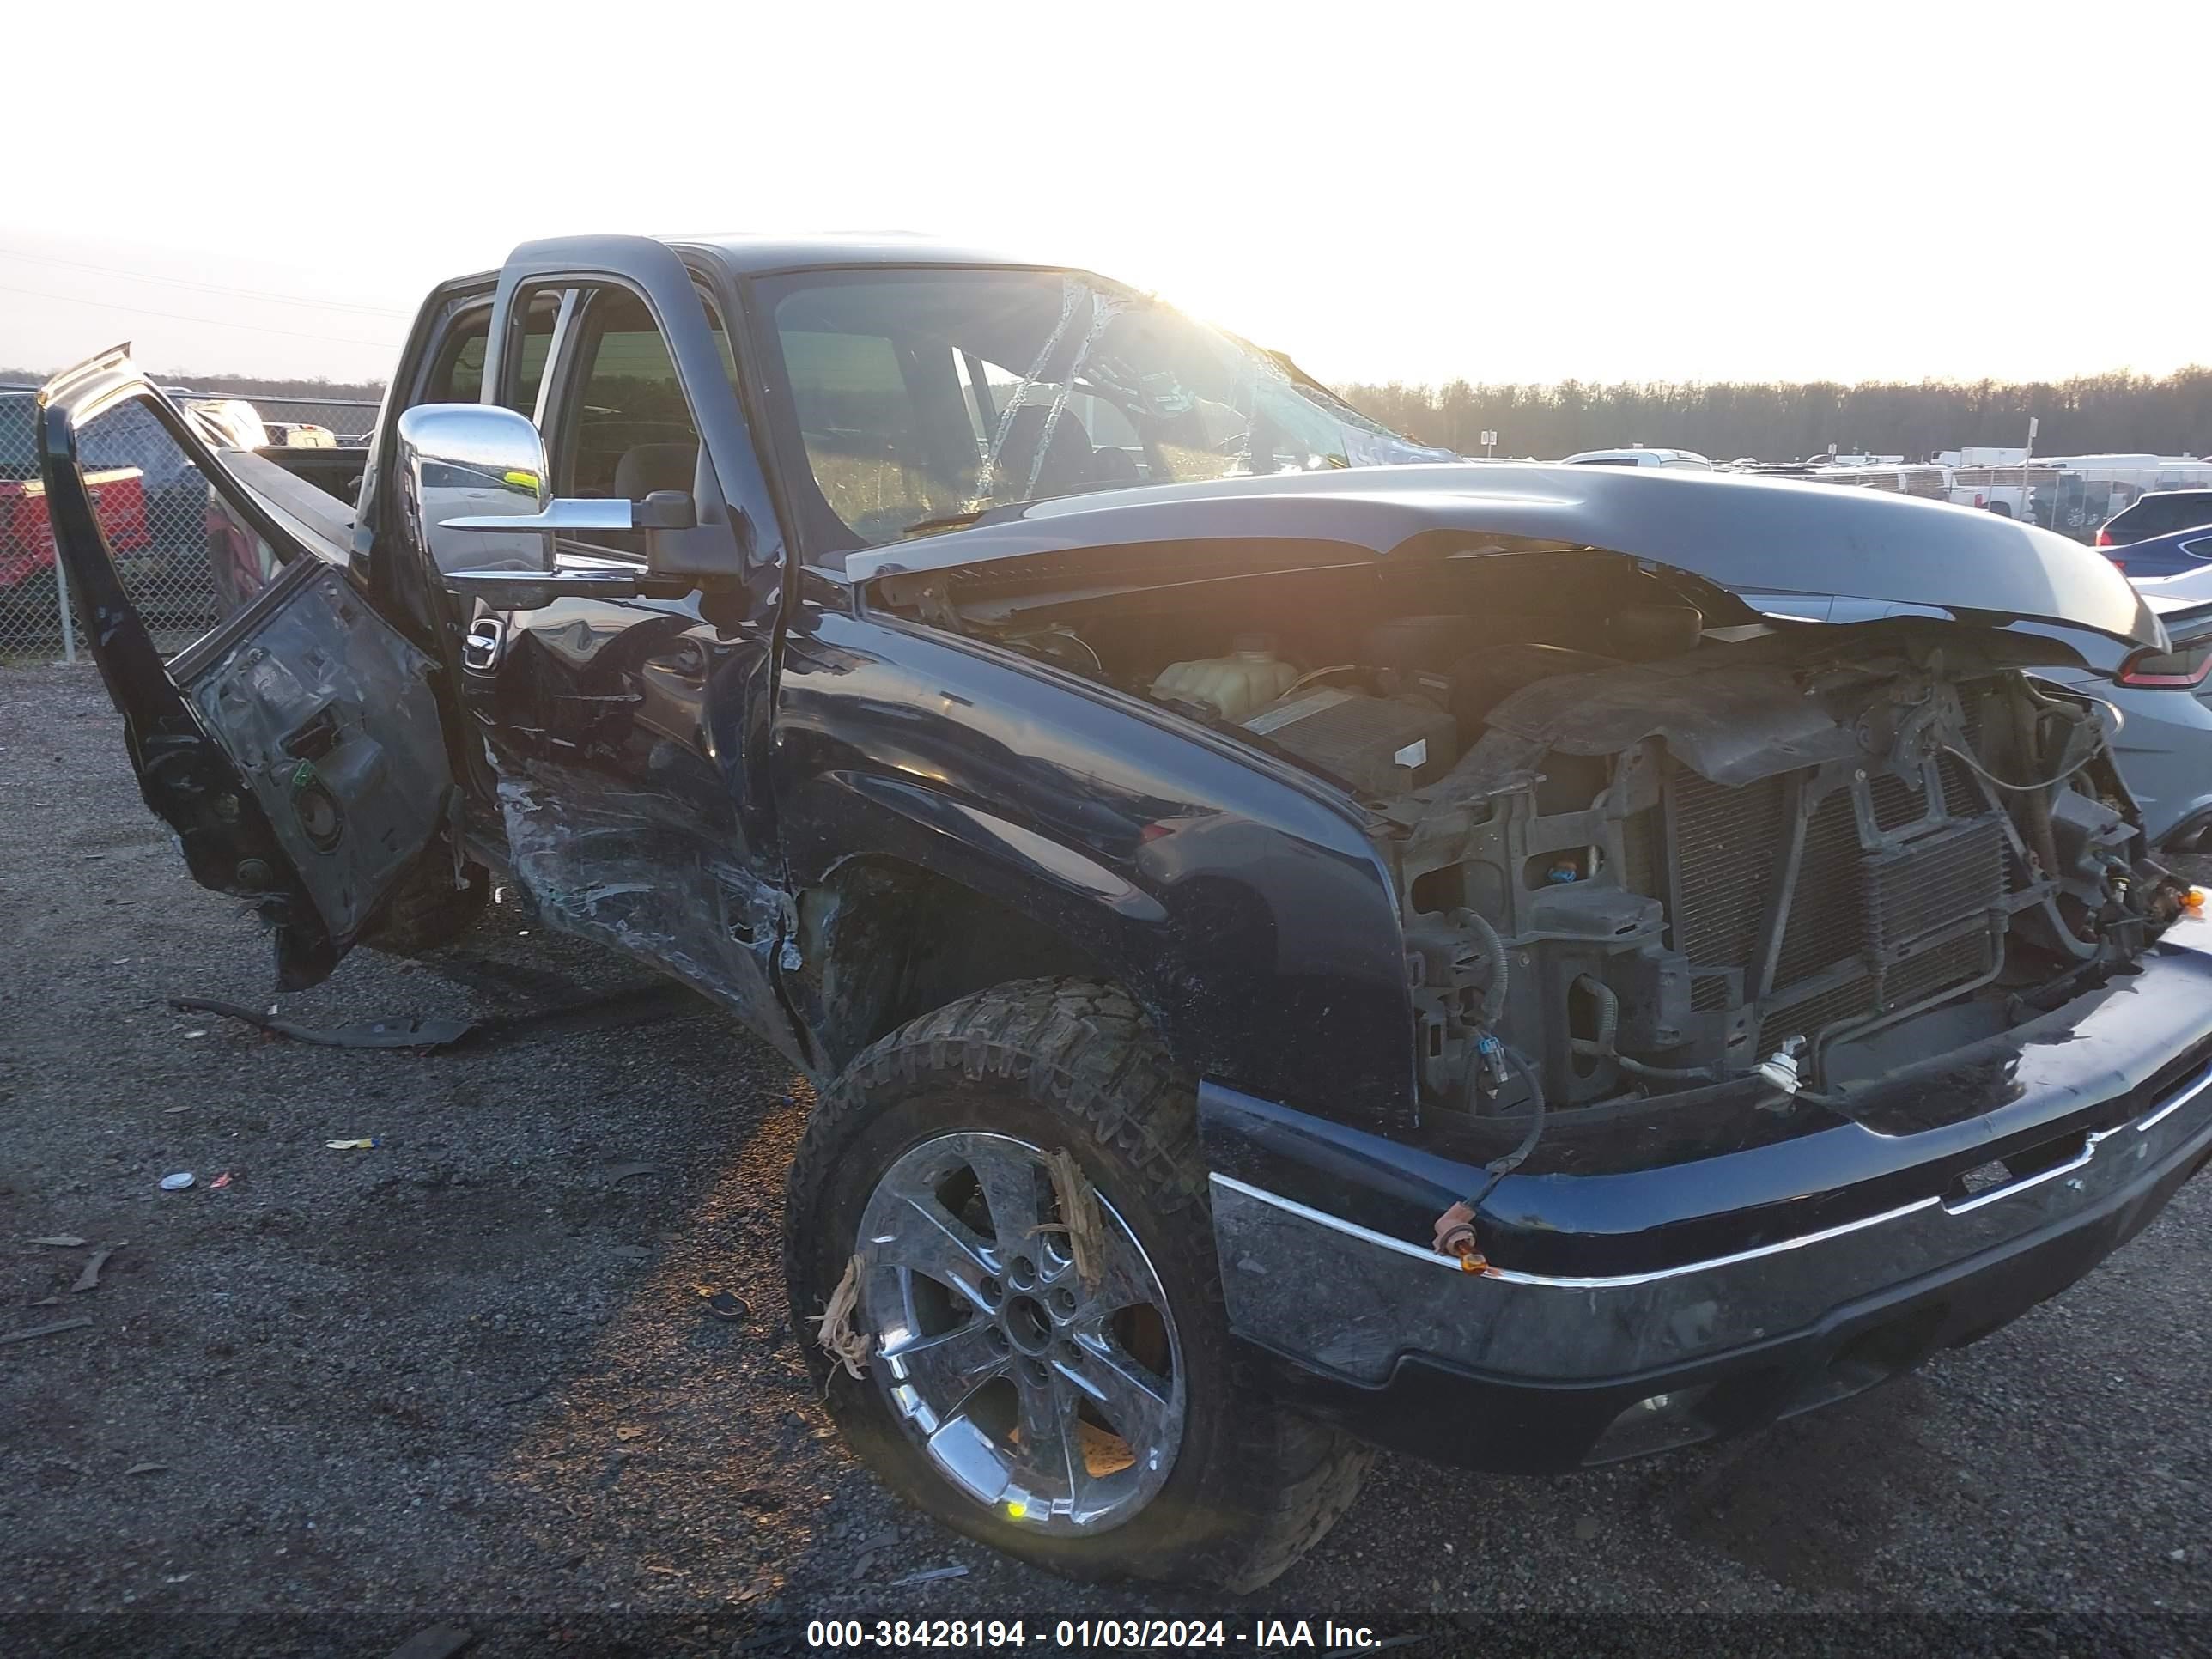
1866	932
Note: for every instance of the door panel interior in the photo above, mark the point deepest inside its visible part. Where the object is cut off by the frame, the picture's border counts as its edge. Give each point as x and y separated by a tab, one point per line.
332	722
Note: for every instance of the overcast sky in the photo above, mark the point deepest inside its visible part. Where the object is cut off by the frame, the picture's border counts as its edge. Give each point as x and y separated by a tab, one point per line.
1527	193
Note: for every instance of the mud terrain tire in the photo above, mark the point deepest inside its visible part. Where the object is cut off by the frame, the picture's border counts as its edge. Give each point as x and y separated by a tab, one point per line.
1069	1063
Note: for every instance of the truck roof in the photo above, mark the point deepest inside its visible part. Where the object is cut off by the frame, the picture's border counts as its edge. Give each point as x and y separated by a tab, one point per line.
754	253
765	253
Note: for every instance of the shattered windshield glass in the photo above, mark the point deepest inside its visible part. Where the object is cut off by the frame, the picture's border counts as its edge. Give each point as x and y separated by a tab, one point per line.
926	397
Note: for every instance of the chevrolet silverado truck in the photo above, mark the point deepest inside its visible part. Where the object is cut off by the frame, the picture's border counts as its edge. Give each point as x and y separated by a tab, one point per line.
1295	952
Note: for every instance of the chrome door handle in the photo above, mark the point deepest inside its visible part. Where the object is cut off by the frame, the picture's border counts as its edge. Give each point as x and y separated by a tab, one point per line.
480	650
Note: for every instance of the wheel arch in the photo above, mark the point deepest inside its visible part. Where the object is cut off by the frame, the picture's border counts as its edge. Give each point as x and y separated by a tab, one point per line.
884	939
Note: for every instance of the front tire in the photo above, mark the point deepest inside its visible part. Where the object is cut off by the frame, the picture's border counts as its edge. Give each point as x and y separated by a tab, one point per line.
1094	1423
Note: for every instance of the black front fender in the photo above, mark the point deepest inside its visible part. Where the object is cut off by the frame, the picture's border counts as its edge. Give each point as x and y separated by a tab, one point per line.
1246	911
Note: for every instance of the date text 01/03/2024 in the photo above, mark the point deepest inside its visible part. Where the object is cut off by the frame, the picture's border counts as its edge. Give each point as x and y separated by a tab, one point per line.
1086	1633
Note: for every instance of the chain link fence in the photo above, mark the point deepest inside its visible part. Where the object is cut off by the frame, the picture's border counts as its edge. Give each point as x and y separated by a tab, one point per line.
348	421
178	556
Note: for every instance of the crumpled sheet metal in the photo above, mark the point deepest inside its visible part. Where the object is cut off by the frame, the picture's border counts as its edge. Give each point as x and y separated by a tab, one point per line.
610	864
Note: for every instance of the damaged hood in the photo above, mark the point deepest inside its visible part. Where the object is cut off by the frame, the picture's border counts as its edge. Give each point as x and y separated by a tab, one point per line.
1741	532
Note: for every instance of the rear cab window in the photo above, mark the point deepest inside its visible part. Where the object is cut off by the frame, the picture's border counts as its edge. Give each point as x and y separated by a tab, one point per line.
455	373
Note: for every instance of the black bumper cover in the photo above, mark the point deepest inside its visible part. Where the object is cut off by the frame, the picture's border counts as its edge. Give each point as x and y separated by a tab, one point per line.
1635	1311
1451	1414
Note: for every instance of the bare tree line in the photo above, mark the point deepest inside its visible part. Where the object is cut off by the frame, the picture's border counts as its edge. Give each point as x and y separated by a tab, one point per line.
311	388
2093	414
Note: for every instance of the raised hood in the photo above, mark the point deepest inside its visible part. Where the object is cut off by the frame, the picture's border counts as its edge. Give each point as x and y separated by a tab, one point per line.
1746	533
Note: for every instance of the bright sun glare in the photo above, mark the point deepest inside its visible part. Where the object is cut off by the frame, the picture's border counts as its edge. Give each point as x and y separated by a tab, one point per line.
1627	193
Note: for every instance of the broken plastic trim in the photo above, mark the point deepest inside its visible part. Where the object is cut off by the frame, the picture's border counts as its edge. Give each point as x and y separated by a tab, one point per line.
431	1033
640	1005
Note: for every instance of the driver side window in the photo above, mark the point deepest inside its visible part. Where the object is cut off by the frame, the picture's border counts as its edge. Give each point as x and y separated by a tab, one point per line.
626	429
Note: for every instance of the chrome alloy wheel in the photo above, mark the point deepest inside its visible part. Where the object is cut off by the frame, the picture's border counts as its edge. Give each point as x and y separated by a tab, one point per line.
1056	1404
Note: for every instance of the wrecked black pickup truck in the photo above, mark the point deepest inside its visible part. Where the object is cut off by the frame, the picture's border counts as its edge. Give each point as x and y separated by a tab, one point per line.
1297	952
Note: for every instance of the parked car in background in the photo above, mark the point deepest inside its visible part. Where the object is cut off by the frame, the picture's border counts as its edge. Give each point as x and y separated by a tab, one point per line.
2159	514
2163	745
27	537
1290	954
2008	492
2188	585
2162	738
1639	456
2171	555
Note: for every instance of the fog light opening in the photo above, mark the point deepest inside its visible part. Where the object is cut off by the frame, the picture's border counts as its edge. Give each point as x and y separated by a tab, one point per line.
1656	1423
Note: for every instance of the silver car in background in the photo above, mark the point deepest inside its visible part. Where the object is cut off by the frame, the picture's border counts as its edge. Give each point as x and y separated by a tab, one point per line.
2163	742
2165	746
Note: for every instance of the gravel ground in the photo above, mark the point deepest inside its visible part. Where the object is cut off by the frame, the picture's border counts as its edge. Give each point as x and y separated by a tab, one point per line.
468	1377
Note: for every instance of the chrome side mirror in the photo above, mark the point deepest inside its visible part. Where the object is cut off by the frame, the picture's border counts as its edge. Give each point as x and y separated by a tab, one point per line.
458	462
473	483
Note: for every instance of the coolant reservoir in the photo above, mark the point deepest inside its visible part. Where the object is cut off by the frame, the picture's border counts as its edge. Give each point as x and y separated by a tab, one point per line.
1235	684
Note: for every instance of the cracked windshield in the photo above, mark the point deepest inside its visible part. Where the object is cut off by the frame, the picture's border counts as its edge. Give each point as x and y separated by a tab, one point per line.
926	398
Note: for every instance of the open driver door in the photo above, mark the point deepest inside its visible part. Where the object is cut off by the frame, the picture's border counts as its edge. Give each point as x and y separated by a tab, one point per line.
297	746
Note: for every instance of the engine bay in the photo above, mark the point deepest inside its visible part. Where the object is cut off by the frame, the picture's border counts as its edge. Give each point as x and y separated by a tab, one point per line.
1645	840
1377	680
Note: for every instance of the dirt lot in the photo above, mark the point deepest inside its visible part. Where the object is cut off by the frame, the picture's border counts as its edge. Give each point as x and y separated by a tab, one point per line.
469	1376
